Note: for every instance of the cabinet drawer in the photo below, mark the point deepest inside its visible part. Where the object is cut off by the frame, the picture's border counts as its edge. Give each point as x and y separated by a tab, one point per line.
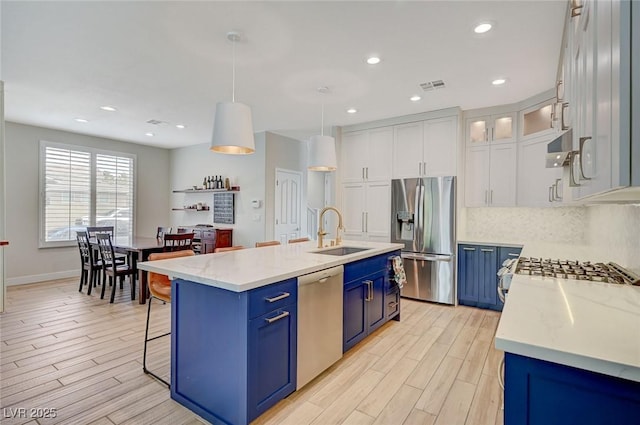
361	268
271	297
224	238
392	304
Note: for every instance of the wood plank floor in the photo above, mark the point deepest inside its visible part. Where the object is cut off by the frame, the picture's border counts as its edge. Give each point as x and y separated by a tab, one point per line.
61	349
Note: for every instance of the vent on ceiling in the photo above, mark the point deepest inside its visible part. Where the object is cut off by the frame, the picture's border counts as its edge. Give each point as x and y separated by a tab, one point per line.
156	122
432	85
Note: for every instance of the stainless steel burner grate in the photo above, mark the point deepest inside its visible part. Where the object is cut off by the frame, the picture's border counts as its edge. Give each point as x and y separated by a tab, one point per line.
578	270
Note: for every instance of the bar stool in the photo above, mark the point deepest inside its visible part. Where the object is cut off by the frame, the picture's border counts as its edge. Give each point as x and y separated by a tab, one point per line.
228	248
299	240
267	243
160	289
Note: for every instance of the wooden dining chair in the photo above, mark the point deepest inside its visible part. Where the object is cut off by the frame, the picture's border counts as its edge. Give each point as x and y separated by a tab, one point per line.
112	268
90	268
160	289
178	241
299	240
228	248
93	230
267	243
162	231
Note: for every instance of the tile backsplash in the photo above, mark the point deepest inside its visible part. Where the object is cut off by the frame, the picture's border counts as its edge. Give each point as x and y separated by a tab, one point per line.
611	231
520	225
614	233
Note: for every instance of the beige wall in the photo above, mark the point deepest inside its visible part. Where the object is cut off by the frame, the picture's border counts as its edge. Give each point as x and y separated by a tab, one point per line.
289	154
24	261
191	164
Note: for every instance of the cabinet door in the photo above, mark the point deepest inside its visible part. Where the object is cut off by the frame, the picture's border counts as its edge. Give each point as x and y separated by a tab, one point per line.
353	210
271	359
441	146
407	150
487	269
477	131
502	190
376	302
378	210
476	180
536	120
353	149
354	313
468	274
379	150
534	179
224	238
503	128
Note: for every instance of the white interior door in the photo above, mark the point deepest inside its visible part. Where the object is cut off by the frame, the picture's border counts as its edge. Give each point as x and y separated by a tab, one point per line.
288	205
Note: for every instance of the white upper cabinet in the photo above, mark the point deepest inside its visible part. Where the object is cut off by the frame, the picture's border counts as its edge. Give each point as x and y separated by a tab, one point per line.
366	210
538	186
486	129
440	147
600	77
490	176
426	148
365	155
408	150
537	120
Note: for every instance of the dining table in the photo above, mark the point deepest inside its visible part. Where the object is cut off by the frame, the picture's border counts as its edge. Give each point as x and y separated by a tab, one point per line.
137	249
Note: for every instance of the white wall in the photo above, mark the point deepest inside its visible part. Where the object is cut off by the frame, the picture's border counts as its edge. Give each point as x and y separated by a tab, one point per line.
24	261
191	164
614	233
289	154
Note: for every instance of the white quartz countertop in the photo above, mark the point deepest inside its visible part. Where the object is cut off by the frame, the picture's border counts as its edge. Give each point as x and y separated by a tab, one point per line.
251	268
589	325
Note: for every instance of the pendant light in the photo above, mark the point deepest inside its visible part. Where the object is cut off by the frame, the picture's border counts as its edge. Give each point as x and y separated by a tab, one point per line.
322	149
233	130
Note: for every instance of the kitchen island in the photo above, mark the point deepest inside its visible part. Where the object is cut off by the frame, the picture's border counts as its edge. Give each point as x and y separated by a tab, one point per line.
234	320
572	348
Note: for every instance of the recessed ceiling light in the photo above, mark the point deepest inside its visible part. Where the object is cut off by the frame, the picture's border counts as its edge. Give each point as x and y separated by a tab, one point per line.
415	98
149	134
80	120
108	108
373	60
352	110
482	28
498	81
180	126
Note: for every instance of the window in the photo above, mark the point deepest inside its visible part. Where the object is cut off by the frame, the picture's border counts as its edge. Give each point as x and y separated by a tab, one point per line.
84	187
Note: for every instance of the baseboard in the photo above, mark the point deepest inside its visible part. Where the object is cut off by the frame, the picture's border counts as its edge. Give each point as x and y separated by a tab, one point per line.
24	280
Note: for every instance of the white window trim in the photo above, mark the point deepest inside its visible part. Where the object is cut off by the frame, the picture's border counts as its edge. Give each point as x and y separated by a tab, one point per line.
41	186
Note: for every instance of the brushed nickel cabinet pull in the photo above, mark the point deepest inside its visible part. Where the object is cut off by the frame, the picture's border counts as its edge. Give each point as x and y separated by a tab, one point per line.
486	250
582	142
278	317
468	249
278	298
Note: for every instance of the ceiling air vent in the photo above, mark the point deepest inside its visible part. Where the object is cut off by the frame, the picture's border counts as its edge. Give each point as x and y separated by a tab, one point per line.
432	85
156	122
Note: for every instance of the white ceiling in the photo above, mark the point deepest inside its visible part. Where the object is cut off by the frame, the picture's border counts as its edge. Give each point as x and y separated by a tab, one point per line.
171	61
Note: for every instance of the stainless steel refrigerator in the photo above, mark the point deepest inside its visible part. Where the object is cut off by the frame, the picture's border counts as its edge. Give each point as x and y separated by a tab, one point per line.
423	220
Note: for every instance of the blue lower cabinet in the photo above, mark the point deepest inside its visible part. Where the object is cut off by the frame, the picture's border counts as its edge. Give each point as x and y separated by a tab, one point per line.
538	392
272	358
478	266
226	365
365	298
354	314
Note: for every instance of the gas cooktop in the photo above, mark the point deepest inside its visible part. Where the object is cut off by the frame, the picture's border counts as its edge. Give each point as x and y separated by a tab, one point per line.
579	270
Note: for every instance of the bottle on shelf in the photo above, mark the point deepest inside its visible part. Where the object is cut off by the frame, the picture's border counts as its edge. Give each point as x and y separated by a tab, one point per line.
204	183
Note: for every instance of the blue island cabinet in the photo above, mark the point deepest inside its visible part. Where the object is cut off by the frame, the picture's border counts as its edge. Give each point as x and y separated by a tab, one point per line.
370	298
233	353
538	392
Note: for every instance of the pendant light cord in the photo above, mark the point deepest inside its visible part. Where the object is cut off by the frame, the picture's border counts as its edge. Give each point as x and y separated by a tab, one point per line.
233	71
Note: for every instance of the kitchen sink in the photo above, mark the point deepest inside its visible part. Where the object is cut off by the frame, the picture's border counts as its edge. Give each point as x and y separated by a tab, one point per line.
342	250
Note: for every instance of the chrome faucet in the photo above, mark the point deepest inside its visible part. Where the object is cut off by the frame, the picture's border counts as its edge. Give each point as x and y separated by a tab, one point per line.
321	231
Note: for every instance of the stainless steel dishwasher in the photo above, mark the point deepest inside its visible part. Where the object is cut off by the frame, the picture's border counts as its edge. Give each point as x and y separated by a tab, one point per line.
319	322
